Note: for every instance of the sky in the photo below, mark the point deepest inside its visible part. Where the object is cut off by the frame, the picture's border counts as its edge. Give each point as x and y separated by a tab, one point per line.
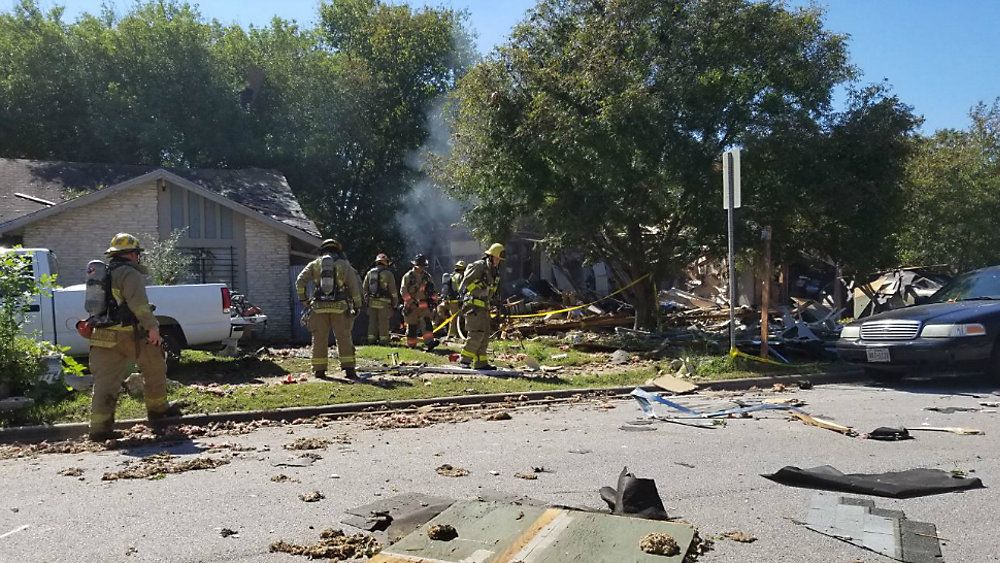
940	56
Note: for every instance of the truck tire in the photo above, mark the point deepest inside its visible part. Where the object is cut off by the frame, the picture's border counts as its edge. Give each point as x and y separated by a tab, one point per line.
172	342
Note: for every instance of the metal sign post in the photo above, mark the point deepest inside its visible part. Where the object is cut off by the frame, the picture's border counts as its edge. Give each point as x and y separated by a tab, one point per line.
731	201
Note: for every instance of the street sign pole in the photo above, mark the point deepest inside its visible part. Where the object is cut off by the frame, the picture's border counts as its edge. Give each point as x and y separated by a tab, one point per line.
731	200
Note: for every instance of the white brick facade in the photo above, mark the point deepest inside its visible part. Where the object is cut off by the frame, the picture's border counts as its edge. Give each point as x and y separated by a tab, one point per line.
268	285
80	235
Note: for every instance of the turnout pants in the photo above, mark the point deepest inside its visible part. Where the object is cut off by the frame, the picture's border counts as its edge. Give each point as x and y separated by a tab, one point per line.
419	323
321	324
111	359
378	322
477	324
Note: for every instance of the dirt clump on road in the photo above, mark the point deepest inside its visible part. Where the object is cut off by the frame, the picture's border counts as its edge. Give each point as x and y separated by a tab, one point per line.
308	444
738	536
526	476
334	545
659	544
282	478
447	470
314	496
499	415
442	532
71	472
159	465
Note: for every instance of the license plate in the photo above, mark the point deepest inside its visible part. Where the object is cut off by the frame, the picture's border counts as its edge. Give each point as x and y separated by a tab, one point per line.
880	355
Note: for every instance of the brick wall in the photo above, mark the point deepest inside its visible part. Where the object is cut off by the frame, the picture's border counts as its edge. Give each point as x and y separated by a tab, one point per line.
80	235
268	286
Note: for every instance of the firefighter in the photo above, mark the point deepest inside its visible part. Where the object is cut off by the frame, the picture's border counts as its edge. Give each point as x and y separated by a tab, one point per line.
417	290
127	333
382	299
478	287
450	300
336	294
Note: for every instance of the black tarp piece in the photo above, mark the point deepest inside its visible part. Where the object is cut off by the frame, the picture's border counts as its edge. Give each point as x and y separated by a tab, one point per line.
889	434
634	497
888	532
898	484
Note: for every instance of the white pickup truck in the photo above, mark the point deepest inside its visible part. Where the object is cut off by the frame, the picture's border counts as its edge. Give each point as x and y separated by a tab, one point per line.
191	316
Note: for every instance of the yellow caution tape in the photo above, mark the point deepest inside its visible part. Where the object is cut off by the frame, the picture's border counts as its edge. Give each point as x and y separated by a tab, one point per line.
740	354
547	313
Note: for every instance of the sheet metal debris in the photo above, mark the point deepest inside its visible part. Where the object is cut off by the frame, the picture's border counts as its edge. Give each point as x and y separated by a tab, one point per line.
492	532
887	532
894	484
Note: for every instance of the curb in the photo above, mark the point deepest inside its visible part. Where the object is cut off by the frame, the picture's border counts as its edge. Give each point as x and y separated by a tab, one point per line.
66	431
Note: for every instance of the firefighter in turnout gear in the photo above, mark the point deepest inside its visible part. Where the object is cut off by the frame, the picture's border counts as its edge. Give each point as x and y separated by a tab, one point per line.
336	295
382	299
417	290
451	301
125	332
479	286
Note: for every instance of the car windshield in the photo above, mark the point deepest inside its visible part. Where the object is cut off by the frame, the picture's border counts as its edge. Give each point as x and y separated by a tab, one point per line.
981	285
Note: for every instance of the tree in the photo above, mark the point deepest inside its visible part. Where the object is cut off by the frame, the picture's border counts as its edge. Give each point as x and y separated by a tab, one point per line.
340	109
603	120
954	196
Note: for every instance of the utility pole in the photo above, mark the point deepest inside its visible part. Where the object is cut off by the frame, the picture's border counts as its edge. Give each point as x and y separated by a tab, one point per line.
765	294
731	201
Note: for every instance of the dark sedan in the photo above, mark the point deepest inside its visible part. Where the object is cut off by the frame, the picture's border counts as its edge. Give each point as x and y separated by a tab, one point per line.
957	328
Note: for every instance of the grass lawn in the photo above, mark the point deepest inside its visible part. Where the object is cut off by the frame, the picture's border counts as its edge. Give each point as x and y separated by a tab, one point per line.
252	383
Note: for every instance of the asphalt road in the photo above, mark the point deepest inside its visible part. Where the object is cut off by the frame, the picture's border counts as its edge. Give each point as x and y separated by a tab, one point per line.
707	477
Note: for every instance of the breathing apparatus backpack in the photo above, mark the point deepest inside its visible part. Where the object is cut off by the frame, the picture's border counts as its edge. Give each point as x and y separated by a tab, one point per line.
328	289
99	301
375	283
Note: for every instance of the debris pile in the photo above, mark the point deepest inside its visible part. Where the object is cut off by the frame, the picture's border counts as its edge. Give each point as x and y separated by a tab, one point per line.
71	472
313	496
334	545
159	465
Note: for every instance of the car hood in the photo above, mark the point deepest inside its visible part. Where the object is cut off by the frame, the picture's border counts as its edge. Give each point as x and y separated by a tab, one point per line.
939	312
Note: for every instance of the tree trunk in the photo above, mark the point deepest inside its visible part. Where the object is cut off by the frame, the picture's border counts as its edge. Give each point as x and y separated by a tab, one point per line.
644	301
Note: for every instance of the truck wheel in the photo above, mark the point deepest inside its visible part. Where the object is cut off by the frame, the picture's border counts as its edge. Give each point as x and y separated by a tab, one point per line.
172	344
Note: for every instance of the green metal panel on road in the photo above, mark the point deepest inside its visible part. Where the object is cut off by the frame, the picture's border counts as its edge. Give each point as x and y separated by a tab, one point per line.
503	533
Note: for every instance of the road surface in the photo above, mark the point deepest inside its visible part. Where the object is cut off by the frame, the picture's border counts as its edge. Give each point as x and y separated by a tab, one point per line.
709	478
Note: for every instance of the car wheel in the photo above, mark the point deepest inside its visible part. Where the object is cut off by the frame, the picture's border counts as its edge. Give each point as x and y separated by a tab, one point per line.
992	369
172	343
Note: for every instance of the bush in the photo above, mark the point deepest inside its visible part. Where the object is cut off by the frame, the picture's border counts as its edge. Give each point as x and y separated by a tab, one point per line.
166	262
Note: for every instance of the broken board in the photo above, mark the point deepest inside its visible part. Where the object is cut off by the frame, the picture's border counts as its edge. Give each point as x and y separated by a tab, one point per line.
491	532
674	385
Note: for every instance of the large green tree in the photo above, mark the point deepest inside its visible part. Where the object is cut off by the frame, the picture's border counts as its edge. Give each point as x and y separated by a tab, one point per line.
603	120
954	196
338	108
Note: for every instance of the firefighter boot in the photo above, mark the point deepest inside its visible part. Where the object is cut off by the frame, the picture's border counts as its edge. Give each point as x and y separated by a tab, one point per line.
350	372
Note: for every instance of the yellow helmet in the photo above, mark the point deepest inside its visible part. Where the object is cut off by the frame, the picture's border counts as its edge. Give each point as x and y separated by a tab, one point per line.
123	242
460	266
331	244
496	250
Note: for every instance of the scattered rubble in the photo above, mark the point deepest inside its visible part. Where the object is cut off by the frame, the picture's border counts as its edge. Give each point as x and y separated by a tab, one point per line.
334	545
447	470
308	444
282	478
699	546
71	472
526	476
311	456
226	532
659	544
442	532
159	465
314	496
499	415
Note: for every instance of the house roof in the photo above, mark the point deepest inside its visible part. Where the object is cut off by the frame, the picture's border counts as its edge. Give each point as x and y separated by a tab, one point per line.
263	191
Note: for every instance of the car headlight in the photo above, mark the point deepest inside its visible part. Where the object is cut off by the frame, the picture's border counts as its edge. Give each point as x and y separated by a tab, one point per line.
952	330
852	332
